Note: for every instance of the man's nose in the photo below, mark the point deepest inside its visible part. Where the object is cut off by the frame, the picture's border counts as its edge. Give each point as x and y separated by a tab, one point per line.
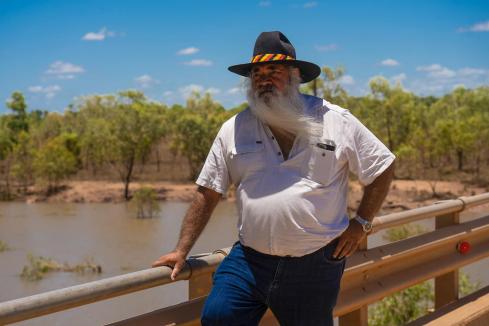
263	76
264	81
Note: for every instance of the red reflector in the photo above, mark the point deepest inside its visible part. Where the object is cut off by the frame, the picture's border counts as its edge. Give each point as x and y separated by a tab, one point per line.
463	247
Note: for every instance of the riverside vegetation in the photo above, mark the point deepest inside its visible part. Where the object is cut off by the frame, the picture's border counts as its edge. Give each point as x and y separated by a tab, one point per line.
3	246
433	138
146	202
39	266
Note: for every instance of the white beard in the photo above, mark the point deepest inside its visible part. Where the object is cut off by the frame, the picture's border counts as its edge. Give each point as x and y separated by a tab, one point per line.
284	111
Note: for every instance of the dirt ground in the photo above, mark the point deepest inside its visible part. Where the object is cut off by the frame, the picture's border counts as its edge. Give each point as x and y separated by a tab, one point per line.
404	194
110	192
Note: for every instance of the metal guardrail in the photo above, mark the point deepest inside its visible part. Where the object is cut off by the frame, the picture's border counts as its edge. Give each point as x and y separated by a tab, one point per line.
440	208
78	295
369	275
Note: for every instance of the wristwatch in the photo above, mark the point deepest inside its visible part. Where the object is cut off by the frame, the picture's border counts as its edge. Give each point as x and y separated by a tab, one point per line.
366	224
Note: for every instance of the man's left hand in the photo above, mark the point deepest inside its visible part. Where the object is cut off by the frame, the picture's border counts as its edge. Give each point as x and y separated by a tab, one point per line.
349	240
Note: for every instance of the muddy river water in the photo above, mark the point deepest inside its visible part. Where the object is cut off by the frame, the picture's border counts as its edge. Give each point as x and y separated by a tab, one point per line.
112	236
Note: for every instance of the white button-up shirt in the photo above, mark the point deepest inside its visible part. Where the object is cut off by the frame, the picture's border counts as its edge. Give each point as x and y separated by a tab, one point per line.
295	206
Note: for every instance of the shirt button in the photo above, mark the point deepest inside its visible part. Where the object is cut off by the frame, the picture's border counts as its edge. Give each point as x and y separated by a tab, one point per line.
324	154
273	138
279	153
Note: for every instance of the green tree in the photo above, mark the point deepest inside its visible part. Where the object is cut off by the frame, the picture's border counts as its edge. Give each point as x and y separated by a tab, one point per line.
6	145
18	121
137	126
328	85
91	119
48	128
120	131
195	127
54	162
5	139
23	156
459	126
391	113
10	128
96	144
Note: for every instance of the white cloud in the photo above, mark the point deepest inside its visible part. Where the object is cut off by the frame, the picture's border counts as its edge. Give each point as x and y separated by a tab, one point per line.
479	27
35	89
146	81
389	63
188	51
265	3
98	36
312	4
235	90
167	93
472	72
397	79
186	91
432	67
327	47
437	71
66	76
199	62
48	91
64	70
440	80
213	90
346	80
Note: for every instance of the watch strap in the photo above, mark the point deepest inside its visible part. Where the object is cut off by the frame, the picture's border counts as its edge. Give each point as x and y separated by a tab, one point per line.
366	224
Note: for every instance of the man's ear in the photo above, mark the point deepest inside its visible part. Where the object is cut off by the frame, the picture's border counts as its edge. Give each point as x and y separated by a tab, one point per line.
296	72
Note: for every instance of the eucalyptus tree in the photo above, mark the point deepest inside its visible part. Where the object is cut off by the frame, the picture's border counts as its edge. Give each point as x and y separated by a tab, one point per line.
194	128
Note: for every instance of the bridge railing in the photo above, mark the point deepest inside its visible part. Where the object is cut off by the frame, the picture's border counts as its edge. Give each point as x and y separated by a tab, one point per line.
370	274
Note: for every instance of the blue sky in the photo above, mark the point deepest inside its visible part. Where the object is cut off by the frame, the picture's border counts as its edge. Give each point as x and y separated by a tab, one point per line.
56	51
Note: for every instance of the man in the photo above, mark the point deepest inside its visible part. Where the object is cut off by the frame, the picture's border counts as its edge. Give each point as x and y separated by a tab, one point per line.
288	155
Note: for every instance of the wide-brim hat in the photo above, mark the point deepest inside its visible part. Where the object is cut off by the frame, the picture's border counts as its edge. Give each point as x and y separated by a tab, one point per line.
275	47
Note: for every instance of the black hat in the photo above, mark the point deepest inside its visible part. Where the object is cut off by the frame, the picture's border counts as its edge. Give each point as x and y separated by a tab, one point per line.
274	47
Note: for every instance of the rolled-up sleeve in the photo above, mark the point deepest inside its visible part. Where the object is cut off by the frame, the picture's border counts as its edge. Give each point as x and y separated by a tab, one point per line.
367	156
214	174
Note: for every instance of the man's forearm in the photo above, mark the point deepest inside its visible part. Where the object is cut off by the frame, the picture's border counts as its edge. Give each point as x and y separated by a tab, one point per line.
196	219
375	193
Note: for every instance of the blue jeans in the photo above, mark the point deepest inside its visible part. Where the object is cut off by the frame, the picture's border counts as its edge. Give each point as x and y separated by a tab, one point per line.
298	290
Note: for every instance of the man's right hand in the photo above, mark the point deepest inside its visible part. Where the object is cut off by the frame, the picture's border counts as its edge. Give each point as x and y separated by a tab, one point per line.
195	219
174	259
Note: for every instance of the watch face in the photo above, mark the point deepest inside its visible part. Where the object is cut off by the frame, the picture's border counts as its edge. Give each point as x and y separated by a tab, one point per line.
367	227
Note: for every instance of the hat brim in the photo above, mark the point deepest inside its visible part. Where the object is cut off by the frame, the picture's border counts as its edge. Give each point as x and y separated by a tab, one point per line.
309	70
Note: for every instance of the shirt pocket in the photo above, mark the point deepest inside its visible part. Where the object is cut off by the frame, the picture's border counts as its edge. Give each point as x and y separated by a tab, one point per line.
322	165
247	158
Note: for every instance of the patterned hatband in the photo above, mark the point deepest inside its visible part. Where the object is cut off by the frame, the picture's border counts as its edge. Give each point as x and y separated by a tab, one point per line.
270	57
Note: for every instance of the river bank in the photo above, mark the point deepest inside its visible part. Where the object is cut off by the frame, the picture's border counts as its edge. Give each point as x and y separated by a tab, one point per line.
108	192
404	194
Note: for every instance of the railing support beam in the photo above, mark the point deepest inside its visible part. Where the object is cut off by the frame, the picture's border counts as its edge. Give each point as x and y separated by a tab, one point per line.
199	286
360	316
446	285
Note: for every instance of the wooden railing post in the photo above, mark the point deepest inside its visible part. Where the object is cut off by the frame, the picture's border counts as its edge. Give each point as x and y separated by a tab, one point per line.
357	317
446	285
199	286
